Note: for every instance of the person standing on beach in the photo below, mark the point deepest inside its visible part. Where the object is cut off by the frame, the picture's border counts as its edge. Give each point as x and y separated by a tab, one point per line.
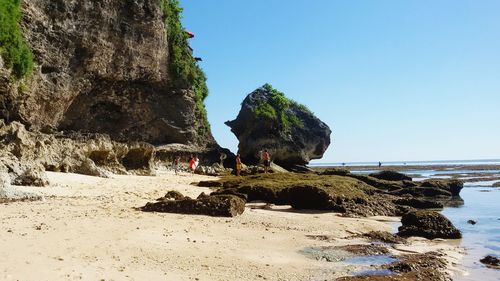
175	164
238	165
266	158
192	164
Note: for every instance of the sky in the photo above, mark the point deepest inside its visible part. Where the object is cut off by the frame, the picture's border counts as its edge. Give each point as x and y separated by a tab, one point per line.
395	80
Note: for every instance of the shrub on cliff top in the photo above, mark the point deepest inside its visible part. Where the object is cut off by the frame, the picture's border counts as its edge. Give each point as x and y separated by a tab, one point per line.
13	48
183	69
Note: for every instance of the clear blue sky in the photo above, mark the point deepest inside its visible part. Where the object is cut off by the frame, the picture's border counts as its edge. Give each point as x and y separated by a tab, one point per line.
395	80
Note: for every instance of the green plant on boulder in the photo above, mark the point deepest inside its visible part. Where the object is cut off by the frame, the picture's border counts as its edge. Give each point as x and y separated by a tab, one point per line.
183	69
279	108
13	48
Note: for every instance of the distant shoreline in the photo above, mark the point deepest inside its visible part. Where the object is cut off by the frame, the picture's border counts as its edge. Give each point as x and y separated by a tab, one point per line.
435	167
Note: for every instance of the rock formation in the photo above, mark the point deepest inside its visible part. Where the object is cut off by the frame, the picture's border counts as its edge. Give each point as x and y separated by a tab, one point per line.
26	155
102	67
491	261
391	176
105	87
213	205
291	133
427	224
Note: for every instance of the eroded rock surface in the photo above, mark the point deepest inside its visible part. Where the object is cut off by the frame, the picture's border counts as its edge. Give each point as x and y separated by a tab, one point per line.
210	205
101	67
417	267
26	155
427	224
391	176
306	191
491	261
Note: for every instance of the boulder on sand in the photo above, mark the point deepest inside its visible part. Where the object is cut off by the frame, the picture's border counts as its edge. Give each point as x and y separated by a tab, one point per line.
269	120
213	205
427	224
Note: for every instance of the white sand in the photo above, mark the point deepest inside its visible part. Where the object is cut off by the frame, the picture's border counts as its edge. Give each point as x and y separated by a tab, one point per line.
86	228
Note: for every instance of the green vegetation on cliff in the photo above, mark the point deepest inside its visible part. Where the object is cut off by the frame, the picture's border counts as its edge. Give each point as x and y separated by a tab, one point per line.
277	108
13	48
183	69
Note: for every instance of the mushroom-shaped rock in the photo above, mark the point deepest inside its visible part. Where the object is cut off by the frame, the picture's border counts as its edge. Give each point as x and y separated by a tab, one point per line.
288	130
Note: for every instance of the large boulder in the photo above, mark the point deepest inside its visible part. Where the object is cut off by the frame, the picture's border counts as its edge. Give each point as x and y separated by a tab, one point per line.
288	130
427	224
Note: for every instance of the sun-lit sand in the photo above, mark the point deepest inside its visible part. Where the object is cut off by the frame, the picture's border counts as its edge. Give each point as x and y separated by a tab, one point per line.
88	228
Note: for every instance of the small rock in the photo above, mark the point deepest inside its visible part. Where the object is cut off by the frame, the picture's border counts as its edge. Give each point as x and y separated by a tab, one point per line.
491	261
473	222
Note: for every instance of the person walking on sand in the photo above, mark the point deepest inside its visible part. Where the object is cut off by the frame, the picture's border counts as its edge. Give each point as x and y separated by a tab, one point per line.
175	164
267	160
196	162
238	165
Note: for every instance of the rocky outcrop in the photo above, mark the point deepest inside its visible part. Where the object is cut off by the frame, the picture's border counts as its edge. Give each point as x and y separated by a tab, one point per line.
416	267
452	186
291	133
427	224
427	188
491	261
26	155
8	192
102	68
391	176
213	205
418	203
306	191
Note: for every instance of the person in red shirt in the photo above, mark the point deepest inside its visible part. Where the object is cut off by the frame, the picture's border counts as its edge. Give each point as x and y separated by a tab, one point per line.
266	158
192	164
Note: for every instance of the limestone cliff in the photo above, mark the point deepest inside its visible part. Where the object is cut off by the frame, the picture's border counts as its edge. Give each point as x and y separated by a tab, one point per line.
103	66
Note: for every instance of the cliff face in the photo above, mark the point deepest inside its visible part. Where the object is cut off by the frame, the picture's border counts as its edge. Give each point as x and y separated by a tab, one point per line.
101	66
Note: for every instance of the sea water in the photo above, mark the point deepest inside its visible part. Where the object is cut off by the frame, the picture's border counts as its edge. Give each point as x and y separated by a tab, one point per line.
481	204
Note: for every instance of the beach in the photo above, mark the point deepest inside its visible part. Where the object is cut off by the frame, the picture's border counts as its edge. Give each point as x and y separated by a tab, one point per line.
89	228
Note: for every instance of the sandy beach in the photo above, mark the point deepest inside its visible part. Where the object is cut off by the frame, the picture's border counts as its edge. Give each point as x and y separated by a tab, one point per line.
88	228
